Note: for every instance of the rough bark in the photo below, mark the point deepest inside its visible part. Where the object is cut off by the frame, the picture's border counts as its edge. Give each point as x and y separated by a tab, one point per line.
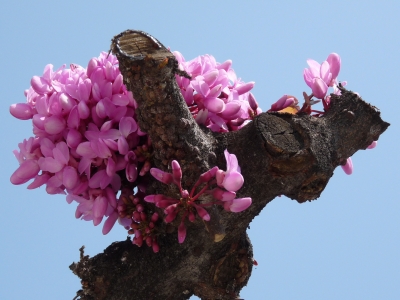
279	153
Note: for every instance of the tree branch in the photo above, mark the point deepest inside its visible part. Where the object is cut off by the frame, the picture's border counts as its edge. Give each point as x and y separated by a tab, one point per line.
279	154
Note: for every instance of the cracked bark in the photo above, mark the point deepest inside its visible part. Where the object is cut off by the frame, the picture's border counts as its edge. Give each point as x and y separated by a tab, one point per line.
279	153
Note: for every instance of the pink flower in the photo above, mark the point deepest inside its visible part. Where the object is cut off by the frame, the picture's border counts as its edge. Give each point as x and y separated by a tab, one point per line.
320	76
231	179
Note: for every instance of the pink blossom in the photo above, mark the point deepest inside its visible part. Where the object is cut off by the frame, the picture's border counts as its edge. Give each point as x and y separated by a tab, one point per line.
348	166
320	76
231	179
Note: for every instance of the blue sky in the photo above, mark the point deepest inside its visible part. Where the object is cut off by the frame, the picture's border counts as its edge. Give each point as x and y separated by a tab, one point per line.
345	245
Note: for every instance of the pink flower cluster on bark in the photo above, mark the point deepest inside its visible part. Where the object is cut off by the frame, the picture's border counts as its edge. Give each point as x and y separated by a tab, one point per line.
319	77
214	95
221	185
86	137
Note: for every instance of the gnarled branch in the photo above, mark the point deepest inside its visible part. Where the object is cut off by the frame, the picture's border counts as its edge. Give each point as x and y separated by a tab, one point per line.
279	154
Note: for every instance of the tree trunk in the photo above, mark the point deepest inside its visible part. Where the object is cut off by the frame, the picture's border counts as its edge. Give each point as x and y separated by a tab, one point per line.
279	154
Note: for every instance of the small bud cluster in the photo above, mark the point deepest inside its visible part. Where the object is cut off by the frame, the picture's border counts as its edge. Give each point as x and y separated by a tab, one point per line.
221	185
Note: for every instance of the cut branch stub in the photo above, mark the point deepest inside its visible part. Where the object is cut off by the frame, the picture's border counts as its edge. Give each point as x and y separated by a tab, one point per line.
149	69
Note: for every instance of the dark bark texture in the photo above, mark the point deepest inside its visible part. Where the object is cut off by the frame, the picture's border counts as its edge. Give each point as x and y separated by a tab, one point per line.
279	153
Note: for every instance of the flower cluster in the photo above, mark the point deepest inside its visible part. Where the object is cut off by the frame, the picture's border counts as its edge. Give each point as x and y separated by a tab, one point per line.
188	204
87	143
85	134
214	95
319	77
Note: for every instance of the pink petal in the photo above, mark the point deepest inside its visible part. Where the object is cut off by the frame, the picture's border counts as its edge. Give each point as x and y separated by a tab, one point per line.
326	75
123	146
222	195
314	67
176	172
70	177
181	233
40	85
100	148
38	181
54	125
215	91
74	138
117	84
225	65
73	118
63	153
233	181
26	171
319	88
373	145
120	99
244	88
46	147
92	65
22	111
348	167
127	125
240	204
85	150
231	109
50	164
83	110
334	64
99	206
214	105
210	77
202	212
109	223
162	176
131	172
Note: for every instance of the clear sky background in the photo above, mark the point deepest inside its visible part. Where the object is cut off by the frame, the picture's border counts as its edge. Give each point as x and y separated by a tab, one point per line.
345	245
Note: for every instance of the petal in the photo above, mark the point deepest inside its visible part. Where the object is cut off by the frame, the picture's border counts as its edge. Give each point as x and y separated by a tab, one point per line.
127	125
73	118
240	204
131	172
54	125
99	206
214	105
231	109
70	177
26	171
348	167
109	223
39	181
233	181
85	150
373	145
50	164
40	85
244	88
319	88
326	75
161	176
334	64
176	172
314	67
22	111
181	232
